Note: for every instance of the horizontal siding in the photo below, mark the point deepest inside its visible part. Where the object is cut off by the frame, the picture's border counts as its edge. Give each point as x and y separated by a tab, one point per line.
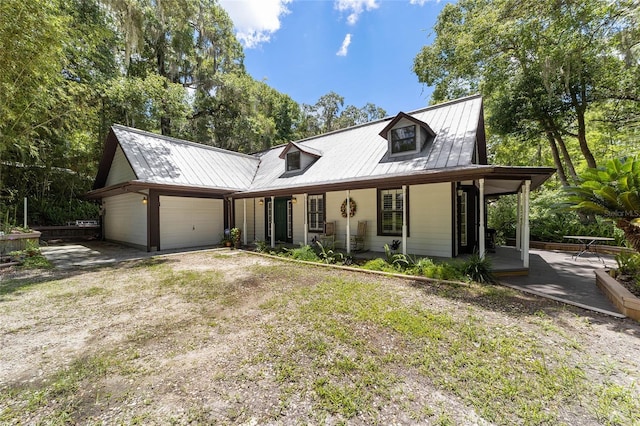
431	216
252	211
125	219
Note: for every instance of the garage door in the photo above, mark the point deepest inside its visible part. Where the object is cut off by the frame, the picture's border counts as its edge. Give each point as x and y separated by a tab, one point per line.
190	222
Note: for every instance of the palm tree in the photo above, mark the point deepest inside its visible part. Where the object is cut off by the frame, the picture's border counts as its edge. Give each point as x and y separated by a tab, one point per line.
612	191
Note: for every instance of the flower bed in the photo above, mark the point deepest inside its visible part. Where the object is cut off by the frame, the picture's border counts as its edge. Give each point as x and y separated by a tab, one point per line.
18	241
627	303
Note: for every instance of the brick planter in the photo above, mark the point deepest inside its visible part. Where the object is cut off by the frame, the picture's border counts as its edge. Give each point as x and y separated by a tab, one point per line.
627	303
14	242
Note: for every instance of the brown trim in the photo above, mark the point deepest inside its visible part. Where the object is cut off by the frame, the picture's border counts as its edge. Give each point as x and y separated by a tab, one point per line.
324	211
177	190
406	206
454	219
153	221
537	175
385	132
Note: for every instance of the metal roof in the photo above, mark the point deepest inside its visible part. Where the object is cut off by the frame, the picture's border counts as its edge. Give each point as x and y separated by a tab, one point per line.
356	156
164	160
360	152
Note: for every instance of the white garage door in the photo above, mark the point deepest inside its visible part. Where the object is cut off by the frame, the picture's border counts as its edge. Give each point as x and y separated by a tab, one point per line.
190	222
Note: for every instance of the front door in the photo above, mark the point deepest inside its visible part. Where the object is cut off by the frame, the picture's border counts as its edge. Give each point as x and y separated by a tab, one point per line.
282	218
467	218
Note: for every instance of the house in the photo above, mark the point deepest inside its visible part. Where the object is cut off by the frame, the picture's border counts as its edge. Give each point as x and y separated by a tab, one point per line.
420	177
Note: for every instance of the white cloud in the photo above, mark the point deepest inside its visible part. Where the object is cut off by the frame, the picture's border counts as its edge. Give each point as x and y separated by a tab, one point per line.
345	46
419	2
356	7
255	20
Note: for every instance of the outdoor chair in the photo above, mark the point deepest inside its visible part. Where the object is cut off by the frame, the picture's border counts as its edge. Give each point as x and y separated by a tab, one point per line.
360	236
328	239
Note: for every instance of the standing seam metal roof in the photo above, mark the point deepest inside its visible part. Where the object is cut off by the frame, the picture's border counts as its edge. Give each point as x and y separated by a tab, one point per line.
353	153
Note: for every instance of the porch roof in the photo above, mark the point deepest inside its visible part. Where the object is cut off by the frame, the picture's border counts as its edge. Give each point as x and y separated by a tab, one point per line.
499	180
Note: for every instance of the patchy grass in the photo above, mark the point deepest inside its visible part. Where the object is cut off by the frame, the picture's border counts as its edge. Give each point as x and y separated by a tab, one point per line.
238	339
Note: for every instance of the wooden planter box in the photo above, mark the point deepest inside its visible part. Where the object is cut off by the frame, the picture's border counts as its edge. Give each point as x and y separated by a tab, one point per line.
15	242
627	303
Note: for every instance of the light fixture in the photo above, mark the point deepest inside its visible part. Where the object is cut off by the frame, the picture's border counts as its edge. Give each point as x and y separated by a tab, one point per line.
261	201
144	200
294	200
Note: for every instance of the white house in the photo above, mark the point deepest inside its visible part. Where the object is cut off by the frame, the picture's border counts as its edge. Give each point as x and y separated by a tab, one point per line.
420	177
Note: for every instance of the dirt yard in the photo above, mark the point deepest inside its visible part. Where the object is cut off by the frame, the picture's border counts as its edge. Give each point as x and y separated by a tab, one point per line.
233	338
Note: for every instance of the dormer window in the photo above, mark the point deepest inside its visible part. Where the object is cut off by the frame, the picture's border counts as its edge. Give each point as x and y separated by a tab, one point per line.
293	161
403	139
406	136
298	158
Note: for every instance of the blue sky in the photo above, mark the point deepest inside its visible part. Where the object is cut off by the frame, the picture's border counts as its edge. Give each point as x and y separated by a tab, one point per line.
361	49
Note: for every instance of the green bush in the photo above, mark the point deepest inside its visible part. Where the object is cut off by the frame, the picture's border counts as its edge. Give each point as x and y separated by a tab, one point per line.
304	253
478	270
378	265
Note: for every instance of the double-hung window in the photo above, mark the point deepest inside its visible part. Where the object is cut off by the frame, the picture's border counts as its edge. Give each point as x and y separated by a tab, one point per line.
293	161
403	139
391	204
315	209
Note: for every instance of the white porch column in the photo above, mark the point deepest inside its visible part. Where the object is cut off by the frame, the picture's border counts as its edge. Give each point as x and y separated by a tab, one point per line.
519	219
306	218
404	219
525	227
348	242
244	221
481	229
273	222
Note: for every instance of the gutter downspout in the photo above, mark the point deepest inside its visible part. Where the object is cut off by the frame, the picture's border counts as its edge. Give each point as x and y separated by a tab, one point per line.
404	219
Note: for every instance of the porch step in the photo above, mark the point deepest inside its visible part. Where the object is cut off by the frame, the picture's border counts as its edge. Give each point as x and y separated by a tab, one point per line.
515	272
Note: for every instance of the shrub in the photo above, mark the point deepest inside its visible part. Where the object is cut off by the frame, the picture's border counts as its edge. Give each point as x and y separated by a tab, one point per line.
304	253
378	265
478	270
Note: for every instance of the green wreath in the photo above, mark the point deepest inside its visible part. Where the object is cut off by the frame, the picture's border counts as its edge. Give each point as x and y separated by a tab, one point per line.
352	208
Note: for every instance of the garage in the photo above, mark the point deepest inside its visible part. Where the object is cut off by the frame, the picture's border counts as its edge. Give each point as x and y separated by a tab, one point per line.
190	222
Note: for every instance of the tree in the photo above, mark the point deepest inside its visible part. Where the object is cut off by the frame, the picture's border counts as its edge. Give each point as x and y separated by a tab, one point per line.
32	36
612	191
540	66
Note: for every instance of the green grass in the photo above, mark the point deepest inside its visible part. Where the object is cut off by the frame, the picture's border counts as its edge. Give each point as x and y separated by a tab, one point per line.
329	347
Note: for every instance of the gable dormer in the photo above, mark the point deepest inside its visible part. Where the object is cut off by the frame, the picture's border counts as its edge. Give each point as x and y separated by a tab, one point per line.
298	157
406	135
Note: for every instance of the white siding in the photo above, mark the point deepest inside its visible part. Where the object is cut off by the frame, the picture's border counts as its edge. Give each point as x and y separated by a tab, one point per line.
298	220
252	212
120	170
430	227
431	215
190	222
125	219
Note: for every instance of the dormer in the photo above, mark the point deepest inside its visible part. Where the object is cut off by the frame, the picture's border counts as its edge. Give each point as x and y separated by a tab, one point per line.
298	157
406	135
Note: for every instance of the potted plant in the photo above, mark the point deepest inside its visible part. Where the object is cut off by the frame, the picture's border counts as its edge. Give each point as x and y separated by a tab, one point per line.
235	237
226	238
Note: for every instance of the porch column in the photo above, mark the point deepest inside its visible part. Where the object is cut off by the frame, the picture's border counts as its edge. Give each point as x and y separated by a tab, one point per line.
481	229
244	221
525	225
404	219
273	222
306	218
519	219
348	209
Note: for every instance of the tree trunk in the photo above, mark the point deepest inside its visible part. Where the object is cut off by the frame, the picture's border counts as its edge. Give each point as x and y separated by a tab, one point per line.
631	233
567	158
582	129
556	159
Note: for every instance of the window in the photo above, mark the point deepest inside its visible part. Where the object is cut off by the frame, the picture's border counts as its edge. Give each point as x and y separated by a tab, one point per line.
390	207
315	209
403	139
293	161
289	220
